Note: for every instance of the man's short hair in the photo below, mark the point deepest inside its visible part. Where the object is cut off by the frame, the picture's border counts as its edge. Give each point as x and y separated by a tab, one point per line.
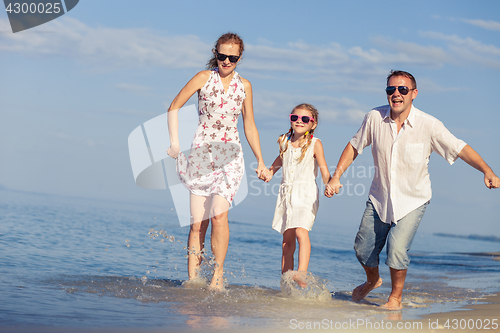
405	74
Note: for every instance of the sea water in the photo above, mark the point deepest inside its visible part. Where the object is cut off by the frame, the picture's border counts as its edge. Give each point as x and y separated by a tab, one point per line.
80	263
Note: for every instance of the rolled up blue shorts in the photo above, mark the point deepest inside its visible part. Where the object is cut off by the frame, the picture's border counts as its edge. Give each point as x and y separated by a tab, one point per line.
373	235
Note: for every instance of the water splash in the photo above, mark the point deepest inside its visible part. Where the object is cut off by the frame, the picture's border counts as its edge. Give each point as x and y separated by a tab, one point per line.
163	234
304	285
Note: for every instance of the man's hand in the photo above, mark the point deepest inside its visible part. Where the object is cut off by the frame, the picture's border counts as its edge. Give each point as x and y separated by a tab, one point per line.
491	180
332	187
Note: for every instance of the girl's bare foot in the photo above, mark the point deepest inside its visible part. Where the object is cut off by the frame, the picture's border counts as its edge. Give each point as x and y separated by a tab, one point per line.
300	278
364	289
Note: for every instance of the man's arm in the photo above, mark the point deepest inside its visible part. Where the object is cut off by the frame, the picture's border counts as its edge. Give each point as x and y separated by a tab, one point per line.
471	157
348	156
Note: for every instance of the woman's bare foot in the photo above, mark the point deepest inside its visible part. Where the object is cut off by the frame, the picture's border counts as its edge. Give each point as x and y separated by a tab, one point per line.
393	304
364	289
217	283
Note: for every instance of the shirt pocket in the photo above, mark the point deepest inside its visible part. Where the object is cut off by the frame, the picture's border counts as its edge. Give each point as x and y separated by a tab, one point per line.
414	153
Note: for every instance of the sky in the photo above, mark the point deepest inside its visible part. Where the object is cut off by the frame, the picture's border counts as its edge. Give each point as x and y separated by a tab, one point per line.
72	91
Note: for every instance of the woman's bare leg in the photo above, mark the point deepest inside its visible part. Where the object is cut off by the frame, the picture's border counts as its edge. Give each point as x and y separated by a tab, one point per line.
197	232
219	239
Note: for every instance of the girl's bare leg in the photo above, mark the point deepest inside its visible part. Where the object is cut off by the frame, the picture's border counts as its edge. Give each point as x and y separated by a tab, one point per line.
288	248
304	248
304	255
197	232
219	239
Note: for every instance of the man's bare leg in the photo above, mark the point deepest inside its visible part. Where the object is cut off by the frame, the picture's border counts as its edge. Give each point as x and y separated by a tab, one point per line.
398	277
373	281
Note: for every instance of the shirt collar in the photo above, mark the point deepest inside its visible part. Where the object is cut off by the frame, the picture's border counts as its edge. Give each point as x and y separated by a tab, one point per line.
386	113
411	117
410	120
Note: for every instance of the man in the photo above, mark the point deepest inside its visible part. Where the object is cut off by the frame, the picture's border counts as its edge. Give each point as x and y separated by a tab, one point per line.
402	139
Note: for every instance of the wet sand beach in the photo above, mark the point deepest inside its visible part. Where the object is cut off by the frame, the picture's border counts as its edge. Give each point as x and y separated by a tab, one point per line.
472	318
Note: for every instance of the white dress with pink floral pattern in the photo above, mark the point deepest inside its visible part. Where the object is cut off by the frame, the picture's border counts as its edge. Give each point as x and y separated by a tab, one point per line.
215	163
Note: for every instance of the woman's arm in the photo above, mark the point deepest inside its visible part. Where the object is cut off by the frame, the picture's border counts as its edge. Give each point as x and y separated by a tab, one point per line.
251	132
194	85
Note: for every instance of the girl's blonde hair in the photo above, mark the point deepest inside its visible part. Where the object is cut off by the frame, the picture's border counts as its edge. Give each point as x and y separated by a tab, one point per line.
228	38
284	138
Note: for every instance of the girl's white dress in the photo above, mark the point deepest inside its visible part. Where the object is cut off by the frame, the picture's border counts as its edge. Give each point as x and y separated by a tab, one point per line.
298	201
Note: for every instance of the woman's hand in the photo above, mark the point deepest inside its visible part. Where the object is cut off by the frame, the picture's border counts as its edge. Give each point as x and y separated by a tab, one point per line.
262	171
173	151
266	175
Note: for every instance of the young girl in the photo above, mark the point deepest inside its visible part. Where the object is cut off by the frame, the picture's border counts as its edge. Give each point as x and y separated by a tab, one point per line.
300	156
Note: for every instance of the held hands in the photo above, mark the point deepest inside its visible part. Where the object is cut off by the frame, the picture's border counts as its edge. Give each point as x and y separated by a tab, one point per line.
264	173
332	187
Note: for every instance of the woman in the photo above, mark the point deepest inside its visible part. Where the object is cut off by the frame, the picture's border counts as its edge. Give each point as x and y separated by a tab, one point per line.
214	168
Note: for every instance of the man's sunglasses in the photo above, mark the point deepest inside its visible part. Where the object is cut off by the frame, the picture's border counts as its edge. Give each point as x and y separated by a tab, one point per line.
305	119
403	90
222	57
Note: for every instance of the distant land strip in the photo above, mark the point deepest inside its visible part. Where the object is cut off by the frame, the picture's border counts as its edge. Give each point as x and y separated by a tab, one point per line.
474	237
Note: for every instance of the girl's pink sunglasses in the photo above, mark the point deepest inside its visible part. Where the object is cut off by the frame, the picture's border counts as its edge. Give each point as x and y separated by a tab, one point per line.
305	119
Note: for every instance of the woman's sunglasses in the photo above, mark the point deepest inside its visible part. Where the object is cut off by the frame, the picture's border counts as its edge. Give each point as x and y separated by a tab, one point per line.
222	57
403	90
305	119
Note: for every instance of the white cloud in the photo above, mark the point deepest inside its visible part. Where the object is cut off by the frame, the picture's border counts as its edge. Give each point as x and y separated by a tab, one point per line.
467	50
107	47
408	53
488	25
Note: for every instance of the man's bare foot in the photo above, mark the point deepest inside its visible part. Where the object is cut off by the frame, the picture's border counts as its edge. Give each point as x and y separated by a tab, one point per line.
364	289
300	279
393	304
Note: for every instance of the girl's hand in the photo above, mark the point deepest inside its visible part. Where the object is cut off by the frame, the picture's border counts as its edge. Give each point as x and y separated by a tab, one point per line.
173	151
263	175
332	187
268	175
